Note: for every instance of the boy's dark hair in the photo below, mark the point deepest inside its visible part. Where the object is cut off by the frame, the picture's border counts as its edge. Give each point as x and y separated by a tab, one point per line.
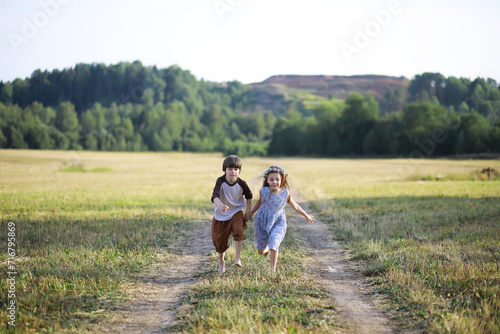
231	161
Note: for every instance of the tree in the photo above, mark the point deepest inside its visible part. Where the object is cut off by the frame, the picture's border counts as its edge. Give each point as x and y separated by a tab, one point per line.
282	140
15	138
426	86
67	122
427	128
385	136
454	92
6	91
494	140
394	100
327	114
357	119
236	91
474	134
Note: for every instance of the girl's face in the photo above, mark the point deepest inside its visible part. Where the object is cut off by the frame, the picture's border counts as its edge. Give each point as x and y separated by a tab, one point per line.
274	181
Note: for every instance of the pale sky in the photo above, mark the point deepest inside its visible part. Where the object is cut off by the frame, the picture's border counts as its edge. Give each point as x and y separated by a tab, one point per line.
251	40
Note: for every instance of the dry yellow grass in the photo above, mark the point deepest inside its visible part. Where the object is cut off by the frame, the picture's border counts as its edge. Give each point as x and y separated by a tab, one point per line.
432	246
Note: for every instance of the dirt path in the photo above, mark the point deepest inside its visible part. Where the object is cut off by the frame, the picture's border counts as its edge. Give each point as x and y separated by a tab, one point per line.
336	274
156	300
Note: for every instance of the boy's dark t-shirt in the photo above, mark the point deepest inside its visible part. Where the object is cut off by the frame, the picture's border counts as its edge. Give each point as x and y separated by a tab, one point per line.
232	195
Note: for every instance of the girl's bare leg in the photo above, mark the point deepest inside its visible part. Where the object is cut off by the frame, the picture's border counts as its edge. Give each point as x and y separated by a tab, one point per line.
238	245
273	259
222	264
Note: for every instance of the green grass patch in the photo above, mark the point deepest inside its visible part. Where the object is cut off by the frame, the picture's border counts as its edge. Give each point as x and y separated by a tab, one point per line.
69	270
436	257
431	247
478	175
253	299
82	237
80	168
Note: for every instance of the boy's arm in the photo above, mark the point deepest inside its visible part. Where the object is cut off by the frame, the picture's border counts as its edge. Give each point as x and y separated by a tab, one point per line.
296	207
221	205
248	214
215	196
247	193
256	206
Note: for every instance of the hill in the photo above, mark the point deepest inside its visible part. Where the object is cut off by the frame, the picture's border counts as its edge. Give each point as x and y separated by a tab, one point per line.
338	86
279	91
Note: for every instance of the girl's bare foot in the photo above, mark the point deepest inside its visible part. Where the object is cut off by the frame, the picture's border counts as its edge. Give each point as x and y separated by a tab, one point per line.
273	259
266	252
238	264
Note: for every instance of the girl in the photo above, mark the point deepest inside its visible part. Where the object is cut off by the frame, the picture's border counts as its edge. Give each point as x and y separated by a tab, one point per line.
270	221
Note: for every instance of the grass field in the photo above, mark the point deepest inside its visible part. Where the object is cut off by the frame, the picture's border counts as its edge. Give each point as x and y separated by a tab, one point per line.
254	299
432	246
426	231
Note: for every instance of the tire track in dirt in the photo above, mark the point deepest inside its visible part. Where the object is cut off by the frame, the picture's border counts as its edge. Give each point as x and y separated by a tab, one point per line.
335	273
155	300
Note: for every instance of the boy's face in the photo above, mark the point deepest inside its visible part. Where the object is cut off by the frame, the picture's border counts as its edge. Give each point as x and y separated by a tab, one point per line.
232	174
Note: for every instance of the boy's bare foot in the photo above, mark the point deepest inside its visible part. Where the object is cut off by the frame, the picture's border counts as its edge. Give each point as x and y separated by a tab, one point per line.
238	245
222	263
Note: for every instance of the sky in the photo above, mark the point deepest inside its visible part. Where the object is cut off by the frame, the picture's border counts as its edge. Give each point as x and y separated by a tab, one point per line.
251	40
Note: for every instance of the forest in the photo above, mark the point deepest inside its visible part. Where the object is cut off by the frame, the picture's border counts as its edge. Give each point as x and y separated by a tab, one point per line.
132	107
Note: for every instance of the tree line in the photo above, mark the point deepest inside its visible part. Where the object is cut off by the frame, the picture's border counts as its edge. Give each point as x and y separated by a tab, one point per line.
131	107
434	116
354	127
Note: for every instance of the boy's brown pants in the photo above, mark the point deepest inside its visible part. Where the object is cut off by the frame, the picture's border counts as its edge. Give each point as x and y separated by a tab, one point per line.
222	230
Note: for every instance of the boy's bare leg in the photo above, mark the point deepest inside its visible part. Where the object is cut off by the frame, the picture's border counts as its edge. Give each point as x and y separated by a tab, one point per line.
222	264
273	259
238	245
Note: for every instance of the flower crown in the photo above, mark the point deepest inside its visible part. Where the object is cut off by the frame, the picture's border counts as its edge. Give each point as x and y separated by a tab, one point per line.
274	170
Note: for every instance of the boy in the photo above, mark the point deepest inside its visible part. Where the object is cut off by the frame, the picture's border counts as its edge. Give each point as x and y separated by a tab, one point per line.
229	195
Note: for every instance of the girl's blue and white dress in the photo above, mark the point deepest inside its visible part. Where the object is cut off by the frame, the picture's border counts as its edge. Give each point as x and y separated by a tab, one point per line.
270	220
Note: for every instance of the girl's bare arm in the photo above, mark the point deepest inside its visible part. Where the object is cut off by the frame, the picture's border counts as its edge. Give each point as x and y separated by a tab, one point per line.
310	219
